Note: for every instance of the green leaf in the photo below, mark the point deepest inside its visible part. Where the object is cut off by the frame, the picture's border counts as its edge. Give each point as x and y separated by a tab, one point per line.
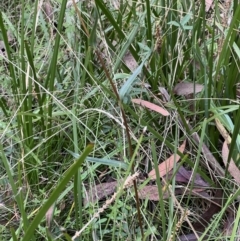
128	84
103	161
53	197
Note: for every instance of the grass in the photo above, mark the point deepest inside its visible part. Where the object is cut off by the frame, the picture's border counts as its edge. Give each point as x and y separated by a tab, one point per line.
68	123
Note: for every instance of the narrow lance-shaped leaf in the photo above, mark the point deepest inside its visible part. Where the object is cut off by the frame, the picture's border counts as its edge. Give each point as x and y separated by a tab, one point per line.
168	164
151	106
53	197
185	88
125	88
232	168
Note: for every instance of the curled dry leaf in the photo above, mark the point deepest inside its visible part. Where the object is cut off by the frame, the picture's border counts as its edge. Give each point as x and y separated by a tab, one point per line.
185	88
166	166
223	131
151	106
49	215
165	94
100	191
232	168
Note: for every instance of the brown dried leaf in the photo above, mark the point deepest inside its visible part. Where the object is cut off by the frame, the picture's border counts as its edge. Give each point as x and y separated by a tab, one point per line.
151	106
211	160
198	181
208	4
100	191
151	193
223	131
164	93
214	208
190	237
205	219
168	164
232	168
228	225
49	215
184	176
185	88
48	9
130	62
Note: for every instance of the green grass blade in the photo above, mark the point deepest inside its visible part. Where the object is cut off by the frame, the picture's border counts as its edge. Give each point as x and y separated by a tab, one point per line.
125	47
55	194
160	191
127	85
11	66
17	194
49	85
103	161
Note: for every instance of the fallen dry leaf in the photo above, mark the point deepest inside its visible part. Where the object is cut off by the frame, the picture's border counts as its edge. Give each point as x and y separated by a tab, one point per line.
223	131
130	62
232	168
49	215
205	219
168	164
48	10
211	160
151	193
100	191
214	208
164	93
208	4
184	176
151	106
228	225
185	88
198	181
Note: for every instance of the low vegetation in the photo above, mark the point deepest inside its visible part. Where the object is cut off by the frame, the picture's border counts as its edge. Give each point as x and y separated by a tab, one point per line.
119	120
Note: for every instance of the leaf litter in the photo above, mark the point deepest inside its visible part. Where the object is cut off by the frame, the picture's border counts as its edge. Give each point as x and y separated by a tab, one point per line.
168	164
182	175
186	88
151	106
130	62
100	191
232	168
